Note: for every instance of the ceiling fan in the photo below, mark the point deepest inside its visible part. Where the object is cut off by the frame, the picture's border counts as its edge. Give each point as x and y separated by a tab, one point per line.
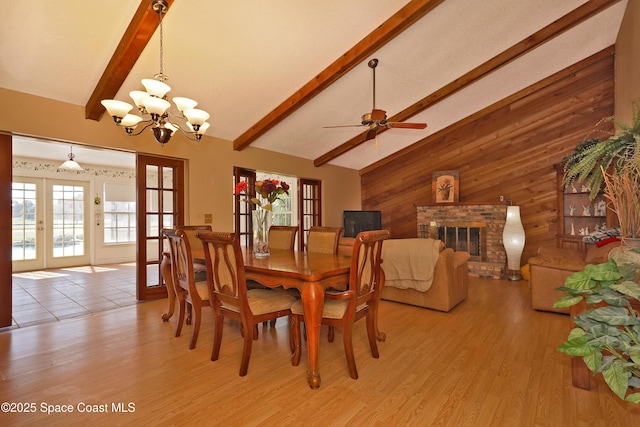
378	118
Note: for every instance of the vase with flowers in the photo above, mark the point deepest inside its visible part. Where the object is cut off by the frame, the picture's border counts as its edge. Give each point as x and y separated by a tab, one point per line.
267	192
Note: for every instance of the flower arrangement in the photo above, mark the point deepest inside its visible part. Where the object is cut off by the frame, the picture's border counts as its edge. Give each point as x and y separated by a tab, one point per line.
267	192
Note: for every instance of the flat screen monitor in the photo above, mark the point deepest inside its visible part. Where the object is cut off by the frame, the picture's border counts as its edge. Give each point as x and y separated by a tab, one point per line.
357	221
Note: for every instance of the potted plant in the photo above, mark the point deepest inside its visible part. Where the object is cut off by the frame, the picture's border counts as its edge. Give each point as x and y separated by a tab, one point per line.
613	162
607	336
622	190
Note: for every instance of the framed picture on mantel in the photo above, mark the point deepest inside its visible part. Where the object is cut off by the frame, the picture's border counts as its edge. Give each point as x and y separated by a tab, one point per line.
445	187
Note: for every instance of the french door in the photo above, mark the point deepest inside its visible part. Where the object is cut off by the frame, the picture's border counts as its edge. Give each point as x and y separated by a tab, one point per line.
160	201
50	226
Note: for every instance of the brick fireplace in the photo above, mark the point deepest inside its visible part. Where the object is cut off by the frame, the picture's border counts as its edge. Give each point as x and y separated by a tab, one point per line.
476	229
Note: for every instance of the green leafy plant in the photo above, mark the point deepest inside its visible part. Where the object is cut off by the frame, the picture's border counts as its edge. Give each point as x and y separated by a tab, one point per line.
594	156
607	337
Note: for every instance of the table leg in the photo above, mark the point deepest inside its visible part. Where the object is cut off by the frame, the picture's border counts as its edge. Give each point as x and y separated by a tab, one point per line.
165	268
313	302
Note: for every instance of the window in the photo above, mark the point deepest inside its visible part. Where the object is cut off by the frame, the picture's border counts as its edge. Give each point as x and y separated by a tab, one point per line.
284	210
119	213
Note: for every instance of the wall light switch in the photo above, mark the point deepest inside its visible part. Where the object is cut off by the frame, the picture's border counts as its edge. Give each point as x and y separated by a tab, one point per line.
208	218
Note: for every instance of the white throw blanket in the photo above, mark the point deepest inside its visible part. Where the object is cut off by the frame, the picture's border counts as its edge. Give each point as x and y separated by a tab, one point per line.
410	263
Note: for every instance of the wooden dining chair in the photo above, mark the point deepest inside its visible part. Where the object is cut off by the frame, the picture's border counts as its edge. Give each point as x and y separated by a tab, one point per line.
324	239
282	237
342	309
229	295
190	232
191	295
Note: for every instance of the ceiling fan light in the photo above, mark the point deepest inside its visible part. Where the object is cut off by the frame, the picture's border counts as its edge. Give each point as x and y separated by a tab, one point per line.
130	121
195	116
116	108
184	103
155	87
156	105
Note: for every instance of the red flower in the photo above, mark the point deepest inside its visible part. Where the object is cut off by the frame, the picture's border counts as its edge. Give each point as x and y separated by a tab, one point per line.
241	187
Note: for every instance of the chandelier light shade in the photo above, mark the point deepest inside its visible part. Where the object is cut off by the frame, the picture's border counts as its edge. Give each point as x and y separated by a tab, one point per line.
71	164
513	240
153	106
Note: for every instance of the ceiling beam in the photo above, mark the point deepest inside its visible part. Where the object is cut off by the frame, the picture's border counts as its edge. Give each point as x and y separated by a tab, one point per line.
393	26
568	21
141	28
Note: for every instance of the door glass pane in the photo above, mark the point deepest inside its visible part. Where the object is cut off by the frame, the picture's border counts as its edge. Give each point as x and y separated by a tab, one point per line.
152	200
168	221
152	176
68	220
167	201
152	250
153	276
23	220
167	178
153	225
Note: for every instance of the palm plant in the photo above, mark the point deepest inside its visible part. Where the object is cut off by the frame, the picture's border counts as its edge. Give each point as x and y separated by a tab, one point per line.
593	157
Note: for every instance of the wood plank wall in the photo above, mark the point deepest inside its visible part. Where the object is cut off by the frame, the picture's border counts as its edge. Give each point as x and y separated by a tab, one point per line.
507	149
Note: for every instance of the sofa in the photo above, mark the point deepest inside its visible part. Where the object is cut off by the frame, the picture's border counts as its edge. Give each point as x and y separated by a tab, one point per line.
551	267
442	288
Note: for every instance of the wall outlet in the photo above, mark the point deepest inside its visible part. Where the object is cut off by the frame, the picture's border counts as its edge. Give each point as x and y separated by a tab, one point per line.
208	218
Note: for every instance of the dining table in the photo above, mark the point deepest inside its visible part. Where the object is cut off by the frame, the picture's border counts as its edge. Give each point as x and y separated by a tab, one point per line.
311	273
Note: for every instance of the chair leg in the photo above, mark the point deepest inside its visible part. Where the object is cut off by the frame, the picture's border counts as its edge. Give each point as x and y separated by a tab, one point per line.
181	309
255	332
295	333
189	312
195	330
217	336
371	334
291	340
332	334
246	354
348	350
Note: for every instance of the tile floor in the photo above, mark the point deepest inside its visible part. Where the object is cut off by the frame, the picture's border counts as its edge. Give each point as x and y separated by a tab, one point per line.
55	294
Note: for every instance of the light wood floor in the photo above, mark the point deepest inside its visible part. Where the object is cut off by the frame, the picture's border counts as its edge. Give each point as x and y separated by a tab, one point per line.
490	362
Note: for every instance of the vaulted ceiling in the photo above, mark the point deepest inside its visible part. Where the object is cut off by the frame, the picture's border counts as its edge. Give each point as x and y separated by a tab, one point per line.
274	73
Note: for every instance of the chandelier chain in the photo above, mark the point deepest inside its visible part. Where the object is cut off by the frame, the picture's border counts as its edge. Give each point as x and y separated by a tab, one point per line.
162	76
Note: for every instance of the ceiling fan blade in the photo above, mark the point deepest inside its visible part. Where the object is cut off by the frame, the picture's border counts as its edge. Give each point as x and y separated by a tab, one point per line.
343	126
404	125
378	115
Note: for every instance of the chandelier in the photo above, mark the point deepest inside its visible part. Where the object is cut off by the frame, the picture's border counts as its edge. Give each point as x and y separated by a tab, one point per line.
153	105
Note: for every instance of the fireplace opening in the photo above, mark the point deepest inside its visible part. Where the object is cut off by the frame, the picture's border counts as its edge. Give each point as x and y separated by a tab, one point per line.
460	236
